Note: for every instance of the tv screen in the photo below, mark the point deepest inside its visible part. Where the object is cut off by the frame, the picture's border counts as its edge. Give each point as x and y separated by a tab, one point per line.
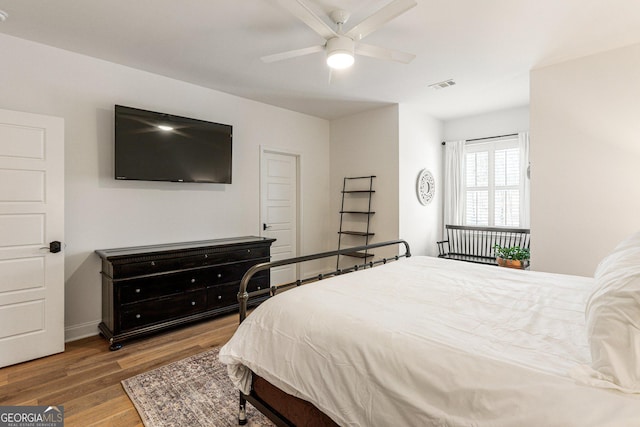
152	146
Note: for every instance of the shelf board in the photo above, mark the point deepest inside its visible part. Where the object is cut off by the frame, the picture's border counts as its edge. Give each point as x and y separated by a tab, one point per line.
358	191
358	212
358	254
361	177
356	233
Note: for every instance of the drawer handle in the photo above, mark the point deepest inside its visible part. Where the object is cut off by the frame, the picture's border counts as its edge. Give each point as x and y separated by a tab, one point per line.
153	263
259	288
137	316
219	275
248	251
219	296
206	255
193	303
137	290
193	280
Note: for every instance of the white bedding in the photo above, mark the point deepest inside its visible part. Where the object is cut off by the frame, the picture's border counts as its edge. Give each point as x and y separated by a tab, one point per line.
425	341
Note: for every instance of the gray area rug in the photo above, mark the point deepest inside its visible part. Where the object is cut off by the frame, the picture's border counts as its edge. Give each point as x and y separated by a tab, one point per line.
195	391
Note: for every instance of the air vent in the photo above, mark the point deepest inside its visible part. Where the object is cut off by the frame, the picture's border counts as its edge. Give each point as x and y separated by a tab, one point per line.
443	84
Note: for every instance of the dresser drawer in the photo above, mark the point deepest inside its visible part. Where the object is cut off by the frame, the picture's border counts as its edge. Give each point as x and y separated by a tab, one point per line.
150	312
137	290
222	295
258	283
227	273
164	263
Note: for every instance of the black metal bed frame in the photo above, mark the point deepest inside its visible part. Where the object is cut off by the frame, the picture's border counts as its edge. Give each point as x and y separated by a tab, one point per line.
243	298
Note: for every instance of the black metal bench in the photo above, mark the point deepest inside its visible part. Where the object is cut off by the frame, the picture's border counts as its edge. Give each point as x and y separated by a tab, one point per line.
475	244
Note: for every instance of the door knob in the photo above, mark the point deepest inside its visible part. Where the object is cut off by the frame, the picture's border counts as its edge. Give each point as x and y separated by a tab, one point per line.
265	226
54	247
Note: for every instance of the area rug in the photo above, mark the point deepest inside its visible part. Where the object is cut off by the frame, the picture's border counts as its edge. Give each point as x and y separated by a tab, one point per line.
195	391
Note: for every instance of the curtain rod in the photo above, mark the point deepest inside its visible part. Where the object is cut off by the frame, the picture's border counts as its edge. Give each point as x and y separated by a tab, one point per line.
487	137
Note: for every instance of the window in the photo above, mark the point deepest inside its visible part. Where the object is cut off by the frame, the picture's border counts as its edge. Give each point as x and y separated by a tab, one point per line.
493	184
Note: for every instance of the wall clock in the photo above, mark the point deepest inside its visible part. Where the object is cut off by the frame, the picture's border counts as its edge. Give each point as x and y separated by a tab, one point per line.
426	187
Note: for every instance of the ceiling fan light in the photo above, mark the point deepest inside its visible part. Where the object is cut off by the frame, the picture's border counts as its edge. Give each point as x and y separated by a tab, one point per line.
340	52
340	60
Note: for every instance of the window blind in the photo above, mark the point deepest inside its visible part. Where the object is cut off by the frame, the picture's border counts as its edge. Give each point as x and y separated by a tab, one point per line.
493	181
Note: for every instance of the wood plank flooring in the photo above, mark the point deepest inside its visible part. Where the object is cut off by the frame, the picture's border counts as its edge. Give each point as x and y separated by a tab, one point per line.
85	379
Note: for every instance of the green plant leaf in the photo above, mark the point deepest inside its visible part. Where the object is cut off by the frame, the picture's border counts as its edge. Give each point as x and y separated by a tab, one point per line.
513	252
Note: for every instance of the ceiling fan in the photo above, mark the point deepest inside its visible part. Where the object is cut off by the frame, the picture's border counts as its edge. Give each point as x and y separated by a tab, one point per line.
341	47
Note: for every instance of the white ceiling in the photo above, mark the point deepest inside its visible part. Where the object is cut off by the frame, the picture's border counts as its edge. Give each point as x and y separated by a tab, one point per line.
487	46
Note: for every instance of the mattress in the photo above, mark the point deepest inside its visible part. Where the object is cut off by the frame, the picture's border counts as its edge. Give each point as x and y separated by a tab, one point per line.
426	341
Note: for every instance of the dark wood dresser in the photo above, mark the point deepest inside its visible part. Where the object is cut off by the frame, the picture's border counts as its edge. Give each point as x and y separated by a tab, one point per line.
147	289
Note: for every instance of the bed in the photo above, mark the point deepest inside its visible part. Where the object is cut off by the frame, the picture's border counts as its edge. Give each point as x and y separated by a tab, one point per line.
433	342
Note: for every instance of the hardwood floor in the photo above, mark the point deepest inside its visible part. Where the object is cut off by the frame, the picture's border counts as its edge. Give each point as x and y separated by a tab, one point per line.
85	379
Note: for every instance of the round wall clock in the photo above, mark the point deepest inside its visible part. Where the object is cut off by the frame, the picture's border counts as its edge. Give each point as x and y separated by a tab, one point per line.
426	187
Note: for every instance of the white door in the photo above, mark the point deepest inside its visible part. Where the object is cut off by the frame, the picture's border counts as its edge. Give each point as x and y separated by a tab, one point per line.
31	216
279	210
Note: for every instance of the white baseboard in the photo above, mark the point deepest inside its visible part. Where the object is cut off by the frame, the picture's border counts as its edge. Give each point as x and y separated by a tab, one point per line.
83	330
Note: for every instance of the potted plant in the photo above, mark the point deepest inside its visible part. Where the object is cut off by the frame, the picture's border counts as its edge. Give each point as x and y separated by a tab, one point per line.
512	257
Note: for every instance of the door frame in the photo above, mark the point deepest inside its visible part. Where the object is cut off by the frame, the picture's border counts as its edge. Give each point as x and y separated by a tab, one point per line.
299	221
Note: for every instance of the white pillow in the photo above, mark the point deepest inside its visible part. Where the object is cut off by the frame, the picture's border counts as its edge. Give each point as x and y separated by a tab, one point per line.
613	317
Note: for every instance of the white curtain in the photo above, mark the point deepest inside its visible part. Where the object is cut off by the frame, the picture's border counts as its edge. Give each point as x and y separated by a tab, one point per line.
523	142
453	183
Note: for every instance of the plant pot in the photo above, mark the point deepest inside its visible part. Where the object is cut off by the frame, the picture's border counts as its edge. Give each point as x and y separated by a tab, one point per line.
513	263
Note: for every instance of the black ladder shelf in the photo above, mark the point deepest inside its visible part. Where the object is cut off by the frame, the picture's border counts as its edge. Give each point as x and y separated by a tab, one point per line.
356	195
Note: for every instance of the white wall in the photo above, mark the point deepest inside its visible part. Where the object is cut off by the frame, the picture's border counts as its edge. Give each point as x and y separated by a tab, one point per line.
104	213
419	148
585	157
502	122
495	123
367	144
394	143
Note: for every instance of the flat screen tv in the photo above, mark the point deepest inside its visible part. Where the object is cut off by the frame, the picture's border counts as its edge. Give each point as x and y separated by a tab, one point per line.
152	146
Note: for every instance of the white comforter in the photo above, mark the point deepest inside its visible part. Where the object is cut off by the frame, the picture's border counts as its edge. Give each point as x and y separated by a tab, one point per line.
425	341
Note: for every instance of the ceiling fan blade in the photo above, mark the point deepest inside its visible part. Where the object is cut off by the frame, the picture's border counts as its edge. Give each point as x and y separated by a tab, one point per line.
292	54
379	18
301	11
383	53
